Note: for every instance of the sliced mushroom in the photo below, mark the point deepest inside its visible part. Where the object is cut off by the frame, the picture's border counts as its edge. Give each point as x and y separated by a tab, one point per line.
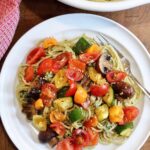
105	63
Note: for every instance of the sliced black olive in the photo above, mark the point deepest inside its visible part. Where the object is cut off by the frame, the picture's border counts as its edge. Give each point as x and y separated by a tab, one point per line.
46	136
105	63
123	89
33	94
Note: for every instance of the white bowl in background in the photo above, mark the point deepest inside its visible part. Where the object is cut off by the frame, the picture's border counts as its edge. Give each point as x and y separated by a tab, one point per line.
105	6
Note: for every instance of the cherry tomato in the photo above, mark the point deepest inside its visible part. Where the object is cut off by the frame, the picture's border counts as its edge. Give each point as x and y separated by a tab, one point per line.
130	113
48	91
80	137
77	65
47	102
29	73
99	90
65	144
73	87
57	116
92	122
35	55
61	60
115	76
45	66
89	58
93	137
58	128
74	75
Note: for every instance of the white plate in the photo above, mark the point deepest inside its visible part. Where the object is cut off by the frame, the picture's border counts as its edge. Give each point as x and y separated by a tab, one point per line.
18	128
105	6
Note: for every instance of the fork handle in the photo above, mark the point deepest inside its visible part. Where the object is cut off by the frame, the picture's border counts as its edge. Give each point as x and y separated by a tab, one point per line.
146	92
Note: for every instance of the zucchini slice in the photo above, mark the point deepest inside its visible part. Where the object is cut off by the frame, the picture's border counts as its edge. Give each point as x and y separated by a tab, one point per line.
124	130
109	97
63	104
81	45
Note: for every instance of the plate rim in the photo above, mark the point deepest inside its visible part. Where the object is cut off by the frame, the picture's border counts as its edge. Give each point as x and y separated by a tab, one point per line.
104	6
90	15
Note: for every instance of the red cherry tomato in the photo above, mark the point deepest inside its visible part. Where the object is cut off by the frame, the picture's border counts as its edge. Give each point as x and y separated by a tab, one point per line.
80	137
29	73
74	75
93	137
58	128
73	87
48	91
61	60
45	66
77	65
92	122
35	55
65	144
115	76
99	90
130	113
88	57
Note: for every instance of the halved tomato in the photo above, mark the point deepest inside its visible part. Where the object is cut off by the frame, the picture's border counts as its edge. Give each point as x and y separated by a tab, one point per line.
92	122
130	113
61	60
29	73
48	91
99	90
35	55
45	66
80	137
65	144
93	137
73	87
74	74
77	65
58	128
88	57
115	76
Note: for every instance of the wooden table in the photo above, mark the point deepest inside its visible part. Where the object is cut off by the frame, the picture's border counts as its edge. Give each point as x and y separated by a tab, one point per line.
35	11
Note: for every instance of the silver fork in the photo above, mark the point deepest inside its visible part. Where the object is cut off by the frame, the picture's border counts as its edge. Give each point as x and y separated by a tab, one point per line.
103	40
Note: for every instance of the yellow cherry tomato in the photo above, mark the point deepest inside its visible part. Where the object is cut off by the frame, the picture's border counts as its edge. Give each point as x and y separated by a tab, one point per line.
38	104
116	114
80	95
49	42
94	49
57	116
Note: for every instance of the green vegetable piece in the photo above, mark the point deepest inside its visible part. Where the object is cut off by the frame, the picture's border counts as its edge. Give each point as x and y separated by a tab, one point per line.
102	112
81	46
62	92
109	97
76	115
124	130
63	103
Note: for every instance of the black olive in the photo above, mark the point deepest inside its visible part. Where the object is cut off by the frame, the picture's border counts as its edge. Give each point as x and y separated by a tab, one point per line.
46	136
33	94
123	89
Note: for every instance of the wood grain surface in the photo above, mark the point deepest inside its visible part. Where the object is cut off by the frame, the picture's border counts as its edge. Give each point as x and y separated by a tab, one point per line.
33	12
